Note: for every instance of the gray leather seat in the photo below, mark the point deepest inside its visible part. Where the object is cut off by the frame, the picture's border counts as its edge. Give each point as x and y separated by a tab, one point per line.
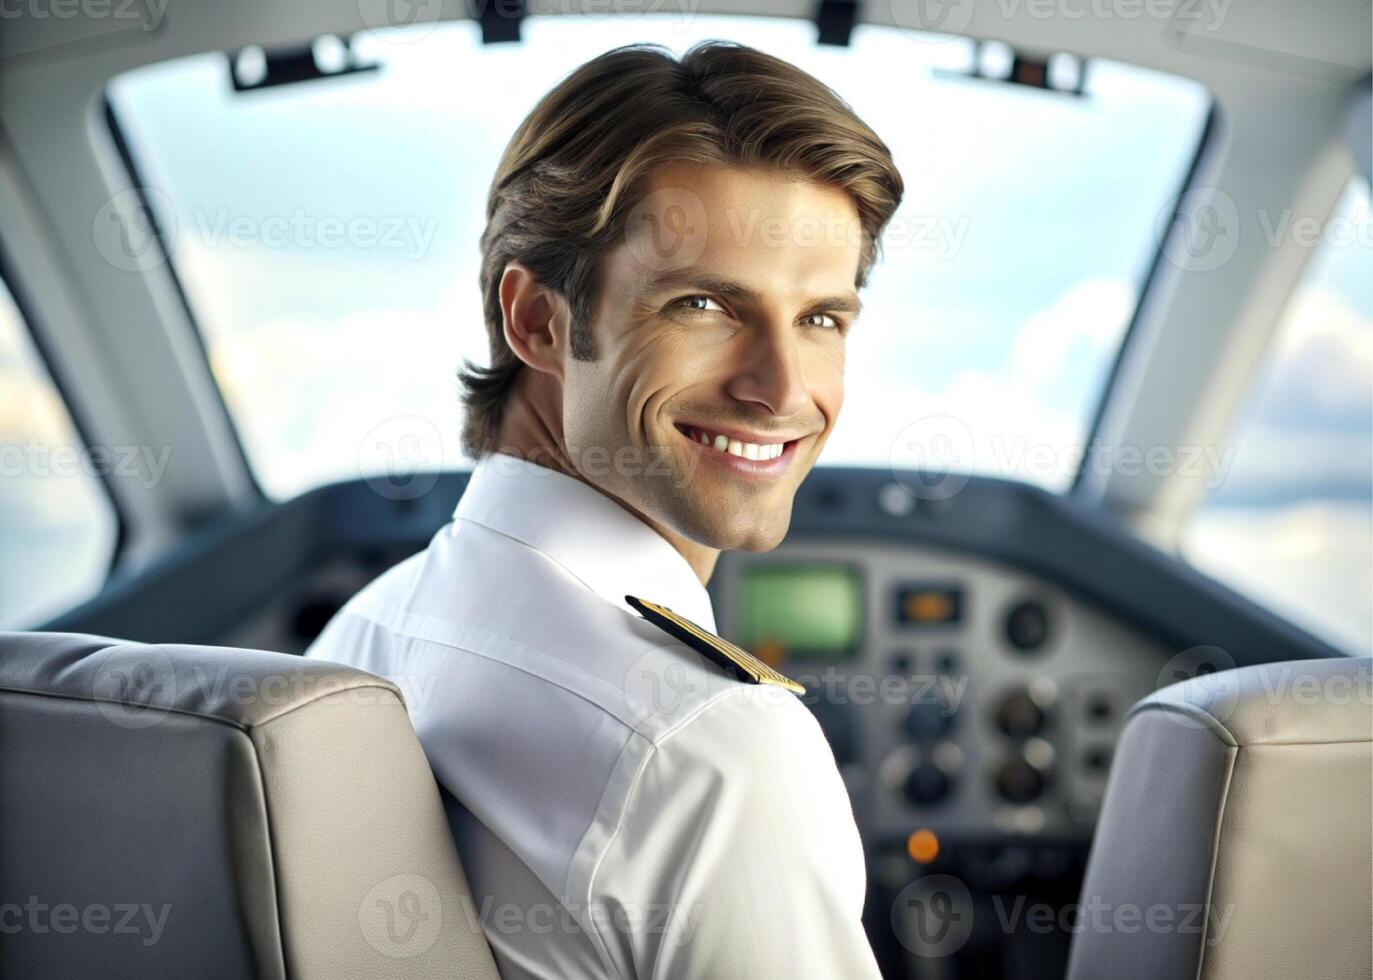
181	811
1236	840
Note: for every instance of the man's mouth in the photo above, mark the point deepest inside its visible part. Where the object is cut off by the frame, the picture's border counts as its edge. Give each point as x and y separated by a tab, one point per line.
745	447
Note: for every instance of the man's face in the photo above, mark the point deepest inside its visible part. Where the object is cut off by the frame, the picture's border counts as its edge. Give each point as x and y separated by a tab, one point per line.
719	336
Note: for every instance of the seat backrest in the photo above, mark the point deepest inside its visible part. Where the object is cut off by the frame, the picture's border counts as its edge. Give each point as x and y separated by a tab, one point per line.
196	811
1236	839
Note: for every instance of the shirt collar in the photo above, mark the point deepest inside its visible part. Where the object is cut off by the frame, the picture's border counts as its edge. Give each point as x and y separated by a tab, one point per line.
603	545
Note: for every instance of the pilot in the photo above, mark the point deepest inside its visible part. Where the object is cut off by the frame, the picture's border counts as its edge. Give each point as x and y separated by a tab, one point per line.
670	269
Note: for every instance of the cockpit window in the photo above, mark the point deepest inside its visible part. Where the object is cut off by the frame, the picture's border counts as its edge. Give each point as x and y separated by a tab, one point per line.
57	527
326	235
1291	525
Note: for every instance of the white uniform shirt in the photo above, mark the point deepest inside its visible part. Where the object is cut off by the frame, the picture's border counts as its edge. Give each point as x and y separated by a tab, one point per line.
632	811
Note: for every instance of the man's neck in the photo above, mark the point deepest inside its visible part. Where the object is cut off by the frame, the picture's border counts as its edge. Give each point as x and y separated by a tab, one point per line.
532	431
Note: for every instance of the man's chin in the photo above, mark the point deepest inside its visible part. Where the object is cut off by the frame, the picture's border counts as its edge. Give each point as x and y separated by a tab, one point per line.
758	542
751	528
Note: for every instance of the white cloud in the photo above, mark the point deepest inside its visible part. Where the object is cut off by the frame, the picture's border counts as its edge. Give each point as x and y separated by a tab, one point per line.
1308	562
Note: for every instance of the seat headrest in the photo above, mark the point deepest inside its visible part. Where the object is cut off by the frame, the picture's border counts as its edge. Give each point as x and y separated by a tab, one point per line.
199	811
1293	701
245	688
1236	838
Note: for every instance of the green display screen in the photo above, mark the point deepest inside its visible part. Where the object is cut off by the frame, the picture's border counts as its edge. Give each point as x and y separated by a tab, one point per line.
809	611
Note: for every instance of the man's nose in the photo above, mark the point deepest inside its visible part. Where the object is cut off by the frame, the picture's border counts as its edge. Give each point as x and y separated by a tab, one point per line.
769	371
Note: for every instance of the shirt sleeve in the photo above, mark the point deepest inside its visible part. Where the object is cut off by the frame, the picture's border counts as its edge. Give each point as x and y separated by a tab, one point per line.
737	855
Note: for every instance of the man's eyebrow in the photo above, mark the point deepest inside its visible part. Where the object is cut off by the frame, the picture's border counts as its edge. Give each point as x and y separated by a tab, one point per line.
685	279
848	303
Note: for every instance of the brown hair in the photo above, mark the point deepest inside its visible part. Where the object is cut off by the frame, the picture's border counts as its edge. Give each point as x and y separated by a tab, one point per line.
578	163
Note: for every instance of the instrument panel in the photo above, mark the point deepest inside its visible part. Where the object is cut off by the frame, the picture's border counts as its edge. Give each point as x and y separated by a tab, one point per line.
959	695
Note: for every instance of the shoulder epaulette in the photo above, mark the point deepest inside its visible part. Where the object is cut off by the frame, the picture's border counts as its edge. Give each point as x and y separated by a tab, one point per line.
734	659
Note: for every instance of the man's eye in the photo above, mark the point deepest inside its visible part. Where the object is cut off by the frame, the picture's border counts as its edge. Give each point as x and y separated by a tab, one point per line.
823	320
700	303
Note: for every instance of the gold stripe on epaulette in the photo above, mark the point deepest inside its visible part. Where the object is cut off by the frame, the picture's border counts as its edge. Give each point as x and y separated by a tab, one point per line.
751	666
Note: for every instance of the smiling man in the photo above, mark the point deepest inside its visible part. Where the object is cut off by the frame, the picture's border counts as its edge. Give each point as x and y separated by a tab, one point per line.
671	265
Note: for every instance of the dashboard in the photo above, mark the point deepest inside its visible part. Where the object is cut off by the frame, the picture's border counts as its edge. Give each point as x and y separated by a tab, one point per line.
973	709
959	695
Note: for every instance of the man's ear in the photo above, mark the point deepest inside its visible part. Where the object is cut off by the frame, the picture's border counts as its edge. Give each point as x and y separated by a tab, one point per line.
535	320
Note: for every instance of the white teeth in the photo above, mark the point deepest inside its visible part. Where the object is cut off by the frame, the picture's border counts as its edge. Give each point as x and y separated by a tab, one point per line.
736	447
